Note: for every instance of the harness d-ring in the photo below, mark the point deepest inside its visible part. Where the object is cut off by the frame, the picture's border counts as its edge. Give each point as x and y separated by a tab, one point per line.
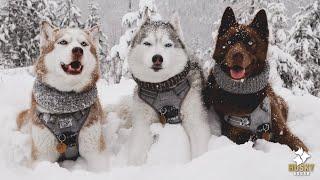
163	111
62	137
266	127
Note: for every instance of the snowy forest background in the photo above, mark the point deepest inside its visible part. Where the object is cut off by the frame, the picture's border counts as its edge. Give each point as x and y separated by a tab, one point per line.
294	26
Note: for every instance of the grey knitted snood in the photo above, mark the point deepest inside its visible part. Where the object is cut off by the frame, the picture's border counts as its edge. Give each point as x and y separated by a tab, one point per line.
247	86
58	102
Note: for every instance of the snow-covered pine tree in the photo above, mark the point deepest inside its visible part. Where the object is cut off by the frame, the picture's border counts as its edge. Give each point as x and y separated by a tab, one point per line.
19	30
304	45
119	52
4	37
50	11
94	20
288	69
67	14
278	24
206	56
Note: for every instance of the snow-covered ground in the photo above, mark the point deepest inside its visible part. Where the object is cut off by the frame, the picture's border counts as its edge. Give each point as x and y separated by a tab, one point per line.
169	155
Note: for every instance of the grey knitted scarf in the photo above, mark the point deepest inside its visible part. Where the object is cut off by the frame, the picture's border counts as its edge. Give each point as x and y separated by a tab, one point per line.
58	102
247	86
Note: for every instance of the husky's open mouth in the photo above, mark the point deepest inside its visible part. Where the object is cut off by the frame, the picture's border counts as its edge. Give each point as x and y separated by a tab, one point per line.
73	68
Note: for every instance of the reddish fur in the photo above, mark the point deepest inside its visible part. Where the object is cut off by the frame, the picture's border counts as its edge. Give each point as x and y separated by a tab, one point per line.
22	118
96	112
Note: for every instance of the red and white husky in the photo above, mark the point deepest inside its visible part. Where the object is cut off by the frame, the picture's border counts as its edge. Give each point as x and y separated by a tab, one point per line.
68	63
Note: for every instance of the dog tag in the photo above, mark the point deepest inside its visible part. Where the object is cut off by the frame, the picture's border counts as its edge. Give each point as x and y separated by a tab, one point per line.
163	119
266	136
61	147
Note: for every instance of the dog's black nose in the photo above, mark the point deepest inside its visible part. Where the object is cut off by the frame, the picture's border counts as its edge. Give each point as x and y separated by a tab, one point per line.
77	51
237	57
157	59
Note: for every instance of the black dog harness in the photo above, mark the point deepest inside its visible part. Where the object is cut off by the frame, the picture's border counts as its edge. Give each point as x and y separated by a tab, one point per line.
258	122
66	128
166	97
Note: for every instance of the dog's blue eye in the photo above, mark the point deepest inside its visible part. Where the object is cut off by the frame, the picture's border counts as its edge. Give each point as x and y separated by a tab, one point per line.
84	44
147	44
168	45
63	42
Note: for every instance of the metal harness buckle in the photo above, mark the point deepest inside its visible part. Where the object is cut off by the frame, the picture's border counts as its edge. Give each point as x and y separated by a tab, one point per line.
241	121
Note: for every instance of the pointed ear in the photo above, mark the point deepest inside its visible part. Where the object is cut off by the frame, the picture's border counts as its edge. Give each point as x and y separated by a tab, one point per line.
94	33
260	23
175	22
228	20
146	16
46	32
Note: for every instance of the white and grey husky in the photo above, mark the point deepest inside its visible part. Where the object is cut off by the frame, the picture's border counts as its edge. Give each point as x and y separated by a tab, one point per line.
65	115
169	88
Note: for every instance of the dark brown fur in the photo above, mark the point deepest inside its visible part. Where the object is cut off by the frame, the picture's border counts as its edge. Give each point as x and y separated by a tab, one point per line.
253	61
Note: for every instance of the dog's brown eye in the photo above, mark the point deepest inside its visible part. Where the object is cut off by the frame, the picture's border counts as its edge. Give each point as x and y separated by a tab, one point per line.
168	45
147	43
63	42
84	44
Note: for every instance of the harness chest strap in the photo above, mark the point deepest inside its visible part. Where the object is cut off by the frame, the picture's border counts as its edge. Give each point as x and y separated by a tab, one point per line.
258	122
166	97
66	128
167	103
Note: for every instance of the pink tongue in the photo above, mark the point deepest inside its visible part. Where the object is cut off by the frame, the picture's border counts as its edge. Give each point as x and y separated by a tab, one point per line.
70	68
237	74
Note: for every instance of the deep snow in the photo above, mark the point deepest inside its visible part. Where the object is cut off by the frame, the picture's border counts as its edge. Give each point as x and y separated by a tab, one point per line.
169	155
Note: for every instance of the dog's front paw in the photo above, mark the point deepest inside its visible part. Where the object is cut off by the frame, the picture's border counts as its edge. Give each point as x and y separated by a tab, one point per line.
138	148
20	146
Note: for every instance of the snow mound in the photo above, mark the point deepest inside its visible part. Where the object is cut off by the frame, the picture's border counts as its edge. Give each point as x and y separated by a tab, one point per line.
169	156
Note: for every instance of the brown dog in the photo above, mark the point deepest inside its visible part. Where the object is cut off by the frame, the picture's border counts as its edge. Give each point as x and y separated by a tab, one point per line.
238	87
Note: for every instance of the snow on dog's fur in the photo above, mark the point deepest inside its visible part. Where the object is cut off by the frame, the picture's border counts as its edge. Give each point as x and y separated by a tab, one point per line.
164	39
59	49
